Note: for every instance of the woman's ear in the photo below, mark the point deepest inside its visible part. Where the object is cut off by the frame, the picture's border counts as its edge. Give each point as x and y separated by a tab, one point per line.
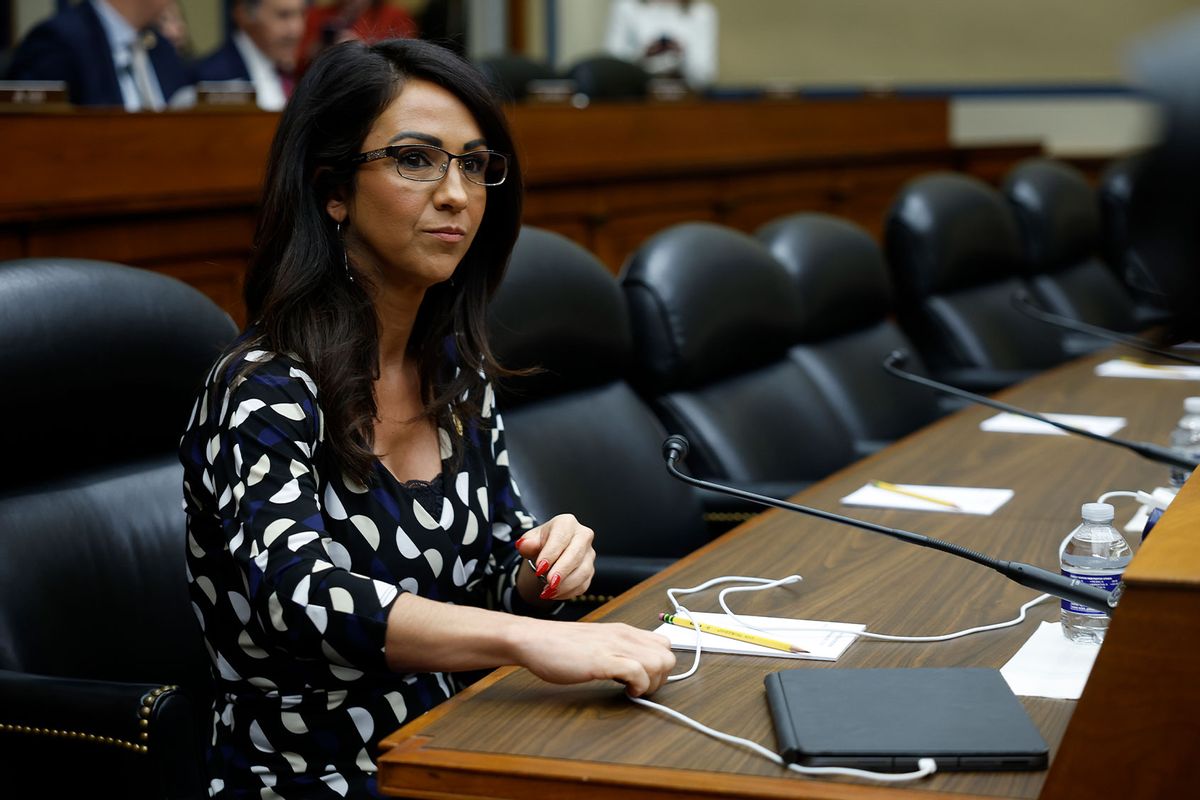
336	206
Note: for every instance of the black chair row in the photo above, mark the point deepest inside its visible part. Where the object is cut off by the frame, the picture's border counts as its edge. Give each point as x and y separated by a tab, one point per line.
600	77
772	371
960	251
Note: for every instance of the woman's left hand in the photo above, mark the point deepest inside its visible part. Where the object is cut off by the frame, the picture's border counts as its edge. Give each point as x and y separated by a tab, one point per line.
562	552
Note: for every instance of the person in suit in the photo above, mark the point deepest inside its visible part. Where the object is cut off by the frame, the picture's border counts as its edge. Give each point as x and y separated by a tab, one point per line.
262	50
109	54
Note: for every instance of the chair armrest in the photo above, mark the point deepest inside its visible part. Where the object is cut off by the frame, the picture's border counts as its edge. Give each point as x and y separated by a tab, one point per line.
137	733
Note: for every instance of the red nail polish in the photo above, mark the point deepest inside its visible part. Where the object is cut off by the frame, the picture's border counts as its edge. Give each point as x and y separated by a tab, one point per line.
543	567
547	593
517	543
554	581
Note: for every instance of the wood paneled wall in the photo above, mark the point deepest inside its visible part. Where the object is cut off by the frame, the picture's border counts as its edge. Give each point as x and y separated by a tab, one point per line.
176	192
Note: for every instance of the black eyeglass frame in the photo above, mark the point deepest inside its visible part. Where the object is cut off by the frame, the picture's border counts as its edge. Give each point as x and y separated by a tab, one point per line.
391	150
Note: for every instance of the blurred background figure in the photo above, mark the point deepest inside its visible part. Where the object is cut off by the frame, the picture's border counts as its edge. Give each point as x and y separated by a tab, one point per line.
262	49
667	38
369	21
1164	223
173	24
109	54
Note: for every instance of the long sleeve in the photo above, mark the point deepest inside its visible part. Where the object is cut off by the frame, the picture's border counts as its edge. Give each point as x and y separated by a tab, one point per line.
260	464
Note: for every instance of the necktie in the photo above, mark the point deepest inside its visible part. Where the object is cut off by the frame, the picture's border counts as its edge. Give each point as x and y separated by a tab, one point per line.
288	81
139	66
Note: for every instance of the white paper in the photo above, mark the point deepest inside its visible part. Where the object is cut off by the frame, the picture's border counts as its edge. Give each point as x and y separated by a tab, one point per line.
966	500
824	641
1050	665
1015	423
1120	368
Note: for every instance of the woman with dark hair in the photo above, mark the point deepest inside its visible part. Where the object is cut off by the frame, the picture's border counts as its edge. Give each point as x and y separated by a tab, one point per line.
351	519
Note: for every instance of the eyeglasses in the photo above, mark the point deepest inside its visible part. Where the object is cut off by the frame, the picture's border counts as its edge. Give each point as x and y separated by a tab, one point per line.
424	162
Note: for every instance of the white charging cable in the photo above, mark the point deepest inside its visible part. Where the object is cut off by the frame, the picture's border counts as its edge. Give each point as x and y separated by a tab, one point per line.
925	766
1144	498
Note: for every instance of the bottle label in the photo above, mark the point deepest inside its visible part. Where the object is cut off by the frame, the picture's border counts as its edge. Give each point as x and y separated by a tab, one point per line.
1106	581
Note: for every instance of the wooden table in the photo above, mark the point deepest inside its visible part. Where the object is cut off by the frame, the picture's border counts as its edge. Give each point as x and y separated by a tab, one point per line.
1131	735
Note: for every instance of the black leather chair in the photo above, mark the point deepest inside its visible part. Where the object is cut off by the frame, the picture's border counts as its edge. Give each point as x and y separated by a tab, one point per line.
512	73
579	439
1058	215
714	316
846	329
955	255
1115	192
608	78
104	681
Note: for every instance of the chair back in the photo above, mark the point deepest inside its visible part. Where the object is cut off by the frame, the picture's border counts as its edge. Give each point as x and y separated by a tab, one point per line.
955	254
714	316
608	78
511	74
579	439
846	330
1116	192
101	363
1058	215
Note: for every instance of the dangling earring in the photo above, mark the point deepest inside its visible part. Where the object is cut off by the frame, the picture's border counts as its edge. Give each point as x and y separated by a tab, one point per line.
345	258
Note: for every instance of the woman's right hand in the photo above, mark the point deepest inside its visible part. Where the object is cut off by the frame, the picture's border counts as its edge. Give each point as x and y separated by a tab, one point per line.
576	652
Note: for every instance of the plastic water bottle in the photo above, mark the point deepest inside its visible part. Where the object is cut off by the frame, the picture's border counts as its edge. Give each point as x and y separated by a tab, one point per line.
1095	553
1185	439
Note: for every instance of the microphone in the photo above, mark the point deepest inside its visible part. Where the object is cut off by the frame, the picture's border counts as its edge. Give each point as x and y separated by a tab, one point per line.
894	364
1025	305
675	449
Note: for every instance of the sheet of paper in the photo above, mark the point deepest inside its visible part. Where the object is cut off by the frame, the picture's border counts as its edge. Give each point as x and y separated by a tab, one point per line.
965	500
1015	423
1138	521
1050	665
1120	368
825	641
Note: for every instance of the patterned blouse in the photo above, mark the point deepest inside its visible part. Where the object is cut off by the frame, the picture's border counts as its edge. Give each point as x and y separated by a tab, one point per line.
292	570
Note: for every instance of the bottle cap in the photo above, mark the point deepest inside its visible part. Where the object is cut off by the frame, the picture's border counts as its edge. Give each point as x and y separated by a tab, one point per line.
1098	512
1191	405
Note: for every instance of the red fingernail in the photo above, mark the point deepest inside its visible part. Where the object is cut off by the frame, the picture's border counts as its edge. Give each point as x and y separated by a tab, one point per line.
547	593
542	568
554	581
517	543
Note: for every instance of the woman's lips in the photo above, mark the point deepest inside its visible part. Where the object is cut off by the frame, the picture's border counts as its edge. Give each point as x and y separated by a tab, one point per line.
448	234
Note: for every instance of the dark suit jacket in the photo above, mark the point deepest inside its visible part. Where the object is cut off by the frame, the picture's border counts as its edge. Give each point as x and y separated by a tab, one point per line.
223	64
71	46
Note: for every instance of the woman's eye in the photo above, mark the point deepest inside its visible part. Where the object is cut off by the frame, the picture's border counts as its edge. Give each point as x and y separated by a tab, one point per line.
413	159
475	164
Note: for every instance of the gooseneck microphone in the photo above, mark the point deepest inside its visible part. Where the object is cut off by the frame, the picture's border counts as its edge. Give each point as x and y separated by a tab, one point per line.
675	449
1026	306
896	360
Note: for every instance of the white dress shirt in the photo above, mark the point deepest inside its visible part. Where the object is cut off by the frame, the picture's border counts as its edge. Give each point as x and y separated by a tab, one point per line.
268	88
131	67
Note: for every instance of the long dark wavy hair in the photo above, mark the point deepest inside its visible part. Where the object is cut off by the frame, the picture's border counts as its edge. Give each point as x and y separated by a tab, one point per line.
298	293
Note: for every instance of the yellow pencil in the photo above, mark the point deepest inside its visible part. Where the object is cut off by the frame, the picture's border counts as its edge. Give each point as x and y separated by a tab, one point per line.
752	638
891	487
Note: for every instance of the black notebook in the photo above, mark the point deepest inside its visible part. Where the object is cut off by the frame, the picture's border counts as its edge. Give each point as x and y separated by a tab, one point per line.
885	719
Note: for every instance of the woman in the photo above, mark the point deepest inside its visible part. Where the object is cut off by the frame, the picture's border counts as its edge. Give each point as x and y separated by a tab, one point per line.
350	513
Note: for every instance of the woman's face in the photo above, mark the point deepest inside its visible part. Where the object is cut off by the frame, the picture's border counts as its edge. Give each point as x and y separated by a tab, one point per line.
411	234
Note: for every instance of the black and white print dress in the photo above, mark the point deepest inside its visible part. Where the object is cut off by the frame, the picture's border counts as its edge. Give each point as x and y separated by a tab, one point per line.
292	571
